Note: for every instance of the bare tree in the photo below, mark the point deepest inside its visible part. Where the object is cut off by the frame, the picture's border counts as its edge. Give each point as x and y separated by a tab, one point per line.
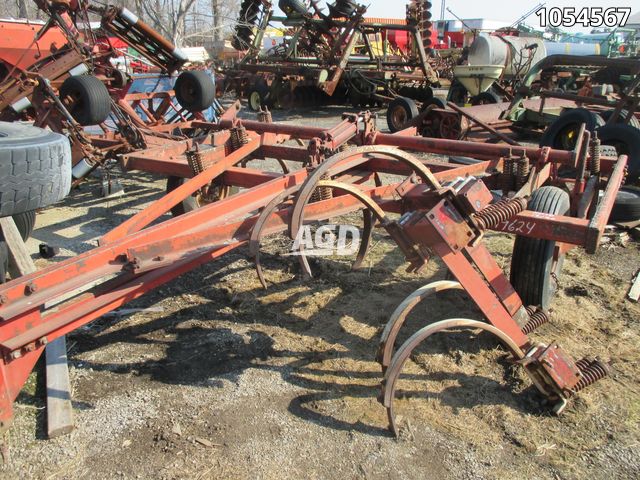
193	22
216	12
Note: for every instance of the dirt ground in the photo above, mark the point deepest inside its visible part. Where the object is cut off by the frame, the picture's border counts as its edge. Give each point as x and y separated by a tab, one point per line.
215	377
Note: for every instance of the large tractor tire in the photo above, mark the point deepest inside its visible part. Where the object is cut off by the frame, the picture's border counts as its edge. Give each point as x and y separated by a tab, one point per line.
35	168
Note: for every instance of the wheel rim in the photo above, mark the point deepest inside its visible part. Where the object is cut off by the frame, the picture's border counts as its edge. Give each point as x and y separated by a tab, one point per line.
398	117
450	127
188	93
567	138
255	102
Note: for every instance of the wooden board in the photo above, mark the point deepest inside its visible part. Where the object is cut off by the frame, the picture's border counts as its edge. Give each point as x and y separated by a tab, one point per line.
634	292
59	408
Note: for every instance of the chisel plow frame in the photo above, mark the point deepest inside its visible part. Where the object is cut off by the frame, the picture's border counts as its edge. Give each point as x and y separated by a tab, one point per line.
428	207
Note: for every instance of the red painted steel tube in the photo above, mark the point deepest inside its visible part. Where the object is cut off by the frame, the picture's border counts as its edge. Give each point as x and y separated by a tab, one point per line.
171	199
297	131
483	151
548	227
601	216
207	243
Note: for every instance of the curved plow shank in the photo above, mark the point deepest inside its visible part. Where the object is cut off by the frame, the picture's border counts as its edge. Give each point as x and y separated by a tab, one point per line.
399	315
393	372
256	233
345	161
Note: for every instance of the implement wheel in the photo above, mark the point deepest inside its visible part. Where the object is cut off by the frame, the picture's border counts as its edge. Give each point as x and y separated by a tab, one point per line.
534	270
400	111
195	90
89	100
257	97
197	200
486	98
563	132
626	140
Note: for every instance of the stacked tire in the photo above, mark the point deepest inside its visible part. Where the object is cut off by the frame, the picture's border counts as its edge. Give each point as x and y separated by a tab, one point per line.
35	172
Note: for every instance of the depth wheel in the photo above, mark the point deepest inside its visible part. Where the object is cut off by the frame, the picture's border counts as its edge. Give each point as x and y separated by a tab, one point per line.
534	270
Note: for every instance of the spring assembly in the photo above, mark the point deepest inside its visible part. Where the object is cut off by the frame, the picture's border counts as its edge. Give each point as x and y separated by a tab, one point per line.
507	178
522	171
537	318
322	193
264	116
194	158
595	153
239	137
591	371
491	216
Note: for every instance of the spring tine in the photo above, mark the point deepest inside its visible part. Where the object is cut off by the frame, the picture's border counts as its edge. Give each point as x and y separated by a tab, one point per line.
399	315
365	242
256	232
397	362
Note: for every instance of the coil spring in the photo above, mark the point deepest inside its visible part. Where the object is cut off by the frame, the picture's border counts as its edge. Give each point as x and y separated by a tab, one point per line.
522	171
264	116
596	152
322	193
537	318
508	174
194	158
239	137
491	216
591	371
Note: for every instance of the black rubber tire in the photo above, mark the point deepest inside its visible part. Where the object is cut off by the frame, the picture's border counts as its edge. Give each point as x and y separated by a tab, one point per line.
187	205
633	122
532	260
4	258
437	101
259	92
457	93
195	90
293	8
25	222
627	205
91	100
399	112
564	129
35	168
626	140
486	98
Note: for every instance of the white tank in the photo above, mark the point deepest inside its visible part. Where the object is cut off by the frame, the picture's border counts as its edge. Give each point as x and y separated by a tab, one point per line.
510	52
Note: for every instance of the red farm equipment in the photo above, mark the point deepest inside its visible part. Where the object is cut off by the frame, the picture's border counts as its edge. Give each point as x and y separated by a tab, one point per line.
77	86
430	208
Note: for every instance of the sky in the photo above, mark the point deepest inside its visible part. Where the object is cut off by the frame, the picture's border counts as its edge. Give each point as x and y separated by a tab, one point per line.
507	10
